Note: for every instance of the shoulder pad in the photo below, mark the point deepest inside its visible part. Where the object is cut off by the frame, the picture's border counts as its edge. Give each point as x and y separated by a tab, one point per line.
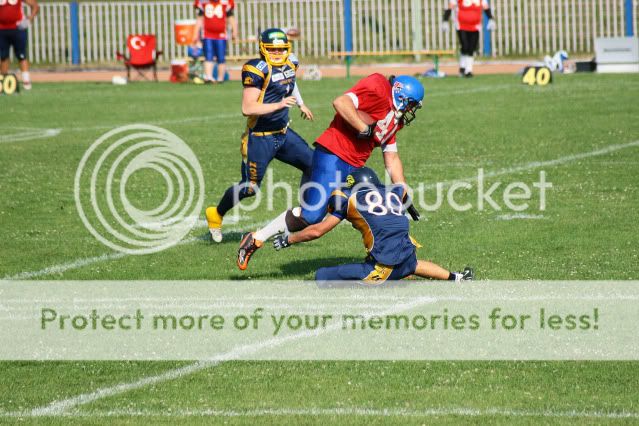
261	65
293	58
258	63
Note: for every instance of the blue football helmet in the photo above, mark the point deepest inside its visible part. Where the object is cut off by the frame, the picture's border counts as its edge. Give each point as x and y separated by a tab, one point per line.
363	176
408	94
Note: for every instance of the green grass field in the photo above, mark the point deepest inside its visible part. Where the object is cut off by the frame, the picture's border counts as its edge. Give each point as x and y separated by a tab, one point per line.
582	131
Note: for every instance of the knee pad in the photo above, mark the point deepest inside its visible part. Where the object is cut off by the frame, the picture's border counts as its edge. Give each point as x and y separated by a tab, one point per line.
295	223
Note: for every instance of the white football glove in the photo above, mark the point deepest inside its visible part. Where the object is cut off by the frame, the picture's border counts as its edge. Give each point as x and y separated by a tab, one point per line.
24	24
444	27
492	25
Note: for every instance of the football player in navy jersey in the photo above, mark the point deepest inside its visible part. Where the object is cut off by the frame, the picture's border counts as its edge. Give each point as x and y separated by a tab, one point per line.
270	90
378	213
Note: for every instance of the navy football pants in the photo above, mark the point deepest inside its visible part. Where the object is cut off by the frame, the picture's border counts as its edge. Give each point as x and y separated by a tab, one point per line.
370	271
257	153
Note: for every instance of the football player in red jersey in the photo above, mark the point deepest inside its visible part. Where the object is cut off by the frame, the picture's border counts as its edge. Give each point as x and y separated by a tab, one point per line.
13	32
345	146
468	24
211	29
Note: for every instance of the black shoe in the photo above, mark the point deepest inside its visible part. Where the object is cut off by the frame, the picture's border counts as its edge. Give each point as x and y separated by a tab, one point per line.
468	274
469	75
462	71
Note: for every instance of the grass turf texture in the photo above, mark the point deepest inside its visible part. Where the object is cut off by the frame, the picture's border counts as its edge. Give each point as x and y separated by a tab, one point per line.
588	231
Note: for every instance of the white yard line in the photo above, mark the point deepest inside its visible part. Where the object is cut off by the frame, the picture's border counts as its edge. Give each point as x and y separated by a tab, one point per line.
514	216
548	163
335	412
161	122
62	406
29	134
79	263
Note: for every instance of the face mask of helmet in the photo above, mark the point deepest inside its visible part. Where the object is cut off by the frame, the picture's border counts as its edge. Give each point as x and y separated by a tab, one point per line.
407	109
277	55
275	47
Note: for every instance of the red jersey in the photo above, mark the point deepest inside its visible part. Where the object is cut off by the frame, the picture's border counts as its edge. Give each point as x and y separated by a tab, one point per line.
10	14
214	13
469	13
373	96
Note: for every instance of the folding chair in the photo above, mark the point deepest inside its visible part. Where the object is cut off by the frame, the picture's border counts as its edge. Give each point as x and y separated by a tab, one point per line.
142	55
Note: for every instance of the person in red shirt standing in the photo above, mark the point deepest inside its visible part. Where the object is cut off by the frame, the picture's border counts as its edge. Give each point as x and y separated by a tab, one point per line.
211	30
468	24
13	33
388	104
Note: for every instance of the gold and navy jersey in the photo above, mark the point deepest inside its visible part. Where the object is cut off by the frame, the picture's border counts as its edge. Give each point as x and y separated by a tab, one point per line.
378	213
275	84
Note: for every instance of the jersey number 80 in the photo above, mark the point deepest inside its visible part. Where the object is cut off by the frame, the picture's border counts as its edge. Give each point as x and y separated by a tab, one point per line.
379	206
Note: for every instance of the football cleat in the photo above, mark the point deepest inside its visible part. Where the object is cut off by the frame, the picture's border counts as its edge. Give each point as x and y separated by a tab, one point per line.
468	274
248	246
214	221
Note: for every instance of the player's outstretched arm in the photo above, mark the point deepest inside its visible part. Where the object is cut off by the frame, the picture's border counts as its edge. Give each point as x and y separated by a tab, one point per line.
394	167
314	232
251	105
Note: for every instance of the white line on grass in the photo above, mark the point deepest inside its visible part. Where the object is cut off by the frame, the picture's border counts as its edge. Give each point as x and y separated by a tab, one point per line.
335	412
160	122
548	163
513	216
79	263
29	134
62	406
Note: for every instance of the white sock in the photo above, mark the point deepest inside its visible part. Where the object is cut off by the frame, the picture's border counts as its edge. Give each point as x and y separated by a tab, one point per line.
469	64
462	61
277	226
26	78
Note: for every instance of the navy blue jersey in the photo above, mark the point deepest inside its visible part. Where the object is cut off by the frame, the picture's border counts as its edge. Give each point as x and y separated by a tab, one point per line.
275	84
378	213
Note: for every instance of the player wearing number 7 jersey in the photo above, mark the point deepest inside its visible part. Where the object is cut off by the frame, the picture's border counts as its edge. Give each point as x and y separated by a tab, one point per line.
346	145
378	213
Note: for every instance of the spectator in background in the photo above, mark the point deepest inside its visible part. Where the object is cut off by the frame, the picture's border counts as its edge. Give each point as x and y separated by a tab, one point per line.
13	33
211	30
468	24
